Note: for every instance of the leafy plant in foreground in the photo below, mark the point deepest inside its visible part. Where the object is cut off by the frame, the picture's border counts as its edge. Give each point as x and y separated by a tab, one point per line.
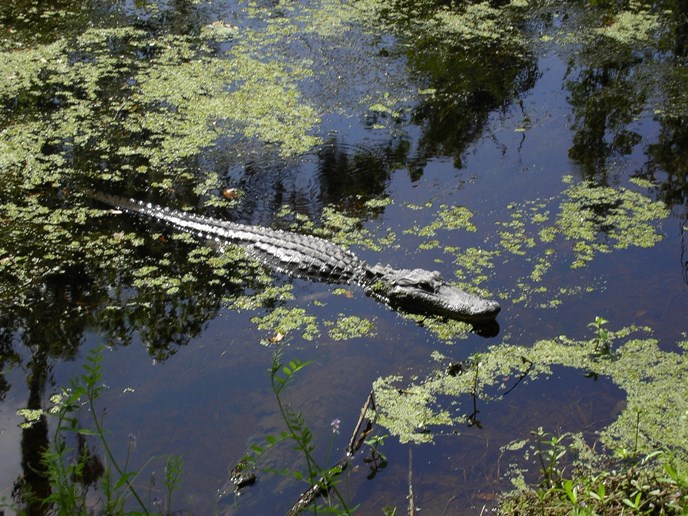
653	484
72	471
549	451
321	480
377	460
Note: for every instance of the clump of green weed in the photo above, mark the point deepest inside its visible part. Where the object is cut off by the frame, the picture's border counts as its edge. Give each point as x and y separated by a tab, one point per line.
576	480
321	480
71	471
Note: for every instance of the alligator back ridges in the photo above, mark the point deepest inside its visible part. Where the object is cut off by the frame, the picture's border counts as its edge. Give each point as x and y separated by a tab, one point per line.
414	290
292	253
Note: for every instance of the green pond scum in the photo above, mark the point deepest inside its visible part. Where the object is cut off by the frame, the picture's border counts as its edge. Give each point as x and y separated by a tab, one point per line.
653	416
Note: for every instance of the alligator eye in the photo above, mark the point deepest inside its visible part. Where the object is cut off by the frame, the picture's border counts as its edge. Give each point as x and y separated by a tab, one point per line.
427	286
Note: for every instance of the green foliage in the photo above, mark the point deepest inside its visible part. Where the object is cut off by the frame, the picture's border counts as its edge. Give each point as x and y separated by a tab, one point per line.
573	483
549	450
602	344
72	470
173	472
377	460
321	480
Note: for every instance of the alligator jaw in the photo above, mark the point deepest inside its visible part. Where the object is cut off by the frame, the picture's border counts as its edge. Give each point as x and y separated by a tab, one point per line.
423	291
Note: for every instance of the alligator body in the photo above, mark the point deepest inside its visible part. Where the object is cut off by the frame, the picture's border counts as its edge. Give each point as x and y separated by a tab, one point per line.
413	290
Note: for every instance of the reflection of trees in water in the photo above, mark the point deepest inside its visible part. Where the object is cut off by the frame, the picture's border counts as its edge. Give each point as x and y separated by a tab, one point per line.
670	152
66	18
468	87
49	325
349	172
51	319
33	485
605	98
680	14
610	84
669	160
336	174
610	89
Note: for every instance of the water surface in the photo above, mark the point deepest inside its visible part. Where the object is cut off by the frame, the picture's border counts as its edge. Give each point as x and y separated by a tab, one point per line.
185	366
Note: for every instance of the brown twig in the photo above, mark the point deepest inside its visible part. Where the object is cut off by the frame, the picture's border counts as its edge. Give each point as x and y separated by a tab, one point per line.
412	507
322	486
353	445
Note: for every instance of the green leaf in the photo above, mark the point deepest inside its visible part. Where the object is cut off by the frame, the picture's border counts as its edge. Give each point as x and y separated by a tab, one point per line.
87	431
124	479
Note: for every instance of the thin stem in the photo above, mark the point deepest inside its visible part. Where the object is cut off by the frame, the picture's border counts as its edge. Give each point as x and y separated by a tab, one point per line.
313	468
309	460
110	455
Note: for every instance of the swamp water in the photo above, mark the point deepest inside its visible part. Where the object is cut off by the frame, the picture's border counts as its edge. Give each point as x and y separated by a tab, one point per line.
525	170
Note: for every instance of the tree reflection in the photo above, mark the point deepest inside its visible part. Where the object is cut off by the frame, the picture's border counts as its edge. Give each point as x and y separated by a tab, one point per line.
670	153
468	87
52	319
33	486
606	96
52	329
612	82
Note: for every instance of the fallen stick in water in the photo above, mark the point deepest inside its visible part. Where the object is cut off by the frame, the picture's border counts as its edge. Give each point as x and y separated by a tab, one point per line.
322	486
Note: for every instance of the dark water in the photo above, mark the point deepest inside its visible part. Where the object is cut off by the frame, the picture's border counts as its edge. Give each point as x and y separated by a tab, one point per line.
211	398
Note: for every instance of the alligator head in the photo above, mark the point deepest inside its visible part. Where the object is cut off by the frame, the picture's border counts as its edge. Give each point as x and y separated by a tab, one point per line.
422	291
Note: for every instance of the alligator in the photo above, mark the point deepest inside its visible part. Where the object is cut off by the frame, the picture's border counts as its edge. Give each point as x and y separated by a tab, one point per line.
306	256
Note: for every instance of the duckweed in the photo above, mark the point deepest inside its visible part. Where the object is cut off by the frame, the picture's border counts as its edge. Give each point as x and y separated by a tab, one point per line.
637	365
350	327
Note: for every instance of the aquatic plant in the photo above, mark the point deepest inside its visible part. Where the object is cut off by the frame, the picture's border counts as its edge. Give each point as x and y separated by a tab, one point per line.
601	340
377	460
574	479
321	481
71	471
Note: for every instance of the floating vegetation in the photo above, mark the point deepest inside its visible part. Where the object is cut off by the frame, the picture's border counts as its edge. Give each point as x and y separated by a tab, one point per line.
590	219
282	320
285	321
235	94
647	374
584	221
636	24
448	217
350	327
470	26
408	412
475	265
622	217
478	23
31	417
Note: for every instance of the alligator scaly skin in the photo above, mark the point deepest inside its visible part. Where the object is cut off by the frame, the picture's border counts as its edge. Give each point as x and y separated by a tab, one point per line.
415	290
292	253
